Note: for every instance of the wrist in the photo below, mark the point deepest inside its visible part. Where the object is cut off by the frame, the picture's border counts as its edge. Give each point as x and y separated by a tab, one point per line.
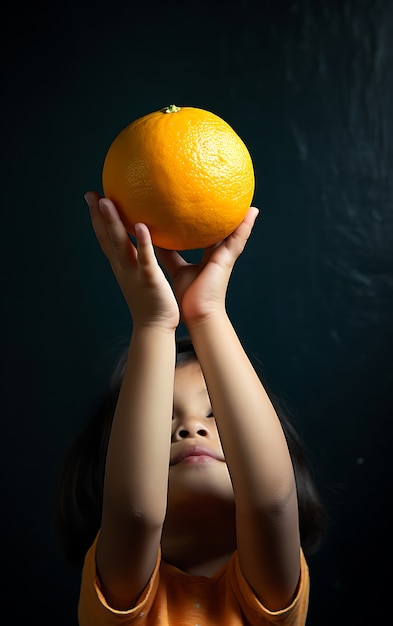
202	323
153	327
157	321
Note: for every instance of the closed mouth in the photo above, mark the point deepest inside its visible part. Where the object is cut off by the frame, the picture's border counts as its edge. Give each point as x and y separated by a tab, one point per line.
193	453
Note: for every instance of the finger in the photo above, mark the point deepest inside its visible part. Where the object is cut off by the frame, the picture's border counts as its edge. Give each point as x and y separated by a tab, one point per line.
251	215
92	198
97	219
207	253
146	256
122	247
236	242
171	260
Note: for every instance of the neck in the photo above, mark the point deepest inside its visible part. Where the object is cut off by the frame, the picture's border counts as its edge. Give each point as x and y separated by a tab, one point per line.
199	544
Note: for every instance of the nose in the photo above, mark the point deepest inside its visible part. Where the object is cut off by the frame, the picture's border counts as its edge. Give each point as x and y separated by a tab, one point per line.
189	428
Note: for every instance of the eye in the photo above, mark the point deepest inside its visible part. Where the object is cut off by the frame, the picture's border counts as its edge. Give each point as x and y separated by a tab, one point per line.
210	414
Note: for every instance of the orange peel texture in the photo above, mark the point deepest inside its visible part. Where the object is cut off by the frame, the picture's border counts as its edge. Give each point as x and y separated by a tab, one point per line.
182	171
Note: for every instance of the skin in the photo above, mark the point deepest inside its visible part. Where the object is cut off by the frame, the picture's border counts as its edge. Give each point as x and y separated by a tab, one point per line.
198	483
161	409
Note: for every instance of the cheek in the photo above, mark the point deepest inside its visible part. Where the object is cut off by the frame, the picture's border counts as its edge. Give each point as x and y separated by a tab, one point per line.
217	436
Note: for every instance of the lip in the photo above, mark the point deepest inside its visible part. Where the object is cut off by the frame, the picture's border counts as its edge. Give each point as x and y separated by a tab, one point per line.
194	454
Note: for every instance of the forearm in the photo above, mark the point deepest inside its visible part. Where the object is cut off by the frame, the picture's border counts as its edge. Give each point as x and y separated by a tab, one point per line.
255	448
137	463
253	441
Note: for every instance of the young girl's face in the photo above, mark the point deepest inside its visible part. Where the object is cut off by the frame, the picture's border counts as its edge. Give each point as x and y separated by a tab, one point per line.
197	466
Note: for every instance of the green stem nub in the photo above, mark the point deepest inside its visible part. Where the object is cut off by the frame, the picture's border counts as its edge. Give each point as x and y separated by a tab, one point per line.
172	108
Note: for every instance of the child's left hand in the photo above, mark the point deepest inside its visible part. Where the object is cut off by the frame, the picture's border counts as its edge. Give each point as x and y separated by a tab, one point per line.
200	288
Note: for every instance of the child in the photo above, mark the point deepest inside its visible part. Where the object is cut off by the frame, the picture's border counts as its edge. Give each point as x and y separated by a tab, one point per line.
196	510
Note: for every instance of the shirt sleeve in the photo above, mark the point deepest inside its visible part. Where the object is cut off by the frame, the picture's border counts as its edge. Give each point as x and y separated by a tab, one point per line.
94	609
293	615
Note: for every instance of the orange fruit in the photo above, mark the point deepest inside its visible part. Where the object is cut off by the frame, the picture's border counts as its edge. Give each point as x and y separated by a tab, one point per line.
182	171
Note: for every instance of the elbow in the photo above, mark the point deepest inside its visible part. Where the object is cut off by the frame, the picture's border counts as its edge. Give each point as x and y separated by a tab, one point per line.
133	514
147	517
284	498
272	498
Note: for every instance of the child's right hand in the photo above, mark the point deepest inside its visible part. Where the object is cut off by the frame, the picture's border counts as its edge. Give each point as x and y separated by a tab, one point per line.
148	294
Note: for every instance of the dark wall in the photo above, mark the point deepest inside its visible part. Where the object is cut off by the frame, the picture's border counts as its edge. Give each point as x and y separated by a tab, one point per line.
309	87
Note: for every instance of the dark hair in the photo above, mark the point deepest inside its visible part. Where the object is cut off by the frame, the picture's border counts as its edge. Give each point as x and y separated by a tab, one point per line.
78	506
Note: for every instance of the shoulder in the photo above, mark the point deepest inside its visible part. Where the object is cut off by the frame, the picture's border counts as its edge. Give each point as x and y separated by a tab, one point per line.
93	607
295	613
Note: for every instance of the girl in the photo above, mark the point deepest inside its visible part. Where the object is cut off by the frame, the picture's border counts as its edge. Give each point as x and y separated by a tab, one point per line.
196	511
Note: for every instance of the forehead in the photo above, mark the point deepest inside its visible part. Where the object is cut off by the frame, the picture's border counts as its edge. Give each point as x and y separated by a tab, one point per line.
189	376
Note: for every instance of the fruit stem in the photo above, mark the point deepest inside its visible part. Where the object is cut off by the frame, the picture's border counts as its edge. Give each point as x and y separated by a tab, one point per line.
172	108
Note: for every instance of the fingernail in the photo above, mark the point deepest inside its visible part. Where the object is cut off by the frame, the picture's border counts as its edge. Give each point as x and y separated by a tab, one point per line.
138	228
87	200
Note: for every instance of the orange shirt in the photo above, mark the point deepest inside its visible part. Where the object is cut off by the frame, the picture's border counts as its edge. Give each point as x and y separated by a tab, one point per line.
174	598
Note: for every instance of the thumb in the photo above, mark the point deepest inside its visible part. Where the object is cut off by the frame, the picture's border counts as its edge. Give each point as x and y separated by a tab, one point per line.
236	242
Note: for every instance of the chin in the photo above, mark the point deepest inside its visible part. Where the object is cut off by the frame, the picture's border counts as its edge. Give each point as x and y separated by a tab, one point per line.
200	484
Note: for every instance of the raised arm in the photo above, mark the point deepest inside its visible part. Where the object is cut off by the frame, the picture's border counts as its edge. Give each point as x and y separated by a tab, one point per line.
136	474
253	441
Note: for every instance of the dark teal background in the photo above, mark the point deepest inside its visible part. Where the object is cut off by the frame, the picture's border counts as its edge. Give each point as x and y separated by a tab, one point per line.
308	85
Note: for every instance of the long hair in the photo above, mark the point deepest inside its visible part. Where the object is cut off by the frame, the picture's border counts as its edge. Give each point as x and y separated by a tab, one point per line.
78	505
